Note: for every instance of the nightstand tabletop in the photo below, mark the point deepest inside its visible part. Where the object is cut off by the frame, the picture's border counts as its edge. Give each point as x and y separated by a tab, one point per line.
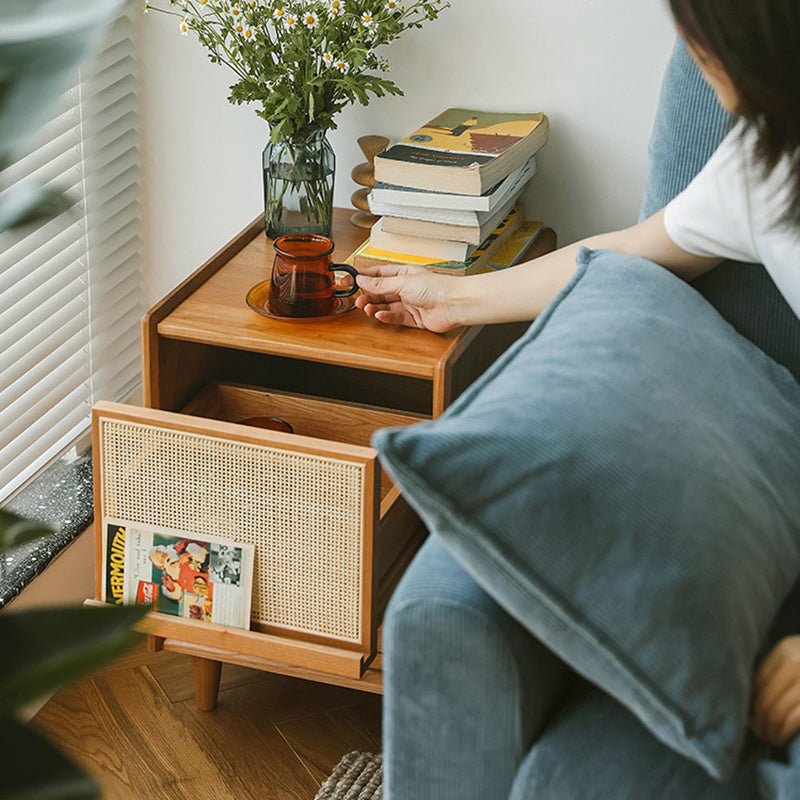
214	312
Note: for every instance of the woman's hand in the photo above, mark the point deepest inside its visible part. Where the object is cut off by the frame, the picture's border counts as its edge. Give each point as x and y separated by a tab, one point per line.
775	702
408	295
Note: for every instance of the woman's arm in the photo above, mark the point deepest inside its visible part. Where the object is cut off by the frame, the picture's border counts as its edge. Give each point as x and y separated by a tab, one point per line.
414	296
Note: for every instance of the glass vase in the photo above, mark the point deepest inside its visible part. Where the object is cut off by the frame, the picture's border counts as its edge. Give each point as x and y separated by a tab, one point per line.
298	184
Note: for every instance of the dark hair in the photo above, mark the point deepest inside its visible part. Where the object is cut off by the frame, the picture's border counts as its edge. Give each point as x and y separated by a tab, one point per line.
757	43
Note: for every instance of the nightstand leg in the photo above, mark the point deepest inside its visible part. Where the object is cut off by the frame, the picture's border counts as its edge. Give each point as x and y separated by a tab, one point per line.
206	673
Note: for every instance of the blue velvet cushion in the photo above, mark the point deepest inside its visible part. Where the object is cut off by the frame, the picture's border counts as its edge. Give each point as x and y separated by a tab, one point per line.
624	482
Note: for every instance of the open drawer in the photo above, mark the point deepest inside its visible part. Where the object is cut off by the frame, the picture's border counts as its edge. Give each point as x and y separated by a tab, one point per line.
331	532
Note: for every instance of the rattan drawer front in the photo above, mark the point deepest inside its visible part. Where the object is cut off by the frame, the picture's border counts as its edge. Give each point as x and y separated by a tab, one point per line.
309	506
302	512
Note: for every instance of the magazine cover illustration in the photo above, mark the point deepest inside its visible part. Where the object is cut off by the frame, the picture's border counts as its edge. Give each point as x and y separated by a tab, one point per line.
187	575
460	130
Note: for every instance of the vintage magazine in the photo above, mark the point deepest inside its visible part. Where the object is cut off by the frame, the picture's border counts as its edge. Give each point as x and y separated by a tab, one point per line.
183	574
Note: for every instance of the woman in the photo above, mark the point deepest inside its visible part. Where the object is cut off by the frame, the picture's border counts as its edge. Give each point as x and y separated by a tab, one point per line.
744	205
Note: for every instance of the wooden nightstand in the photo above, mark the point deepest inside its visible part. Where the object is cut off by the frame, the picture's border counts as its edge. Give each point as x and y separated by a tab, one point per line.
215	361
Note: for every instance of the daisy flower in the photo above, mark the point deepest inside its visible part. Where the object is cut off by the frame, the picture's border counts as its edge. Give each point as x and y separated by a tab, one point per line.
146	9
336	7
279	14
235	11
289	20
327	59
393	5
342	66
184	27
310	19
367	19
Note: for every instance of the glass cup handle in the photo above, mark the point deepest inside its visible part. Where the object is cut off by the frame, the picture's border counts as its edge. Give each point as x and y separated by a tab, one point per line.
352	271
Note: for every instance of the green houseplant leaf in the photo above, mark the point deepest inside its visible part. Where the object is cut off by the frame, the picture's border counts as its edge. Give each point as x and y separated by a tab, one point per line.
16	530
30	767
41	44
45	648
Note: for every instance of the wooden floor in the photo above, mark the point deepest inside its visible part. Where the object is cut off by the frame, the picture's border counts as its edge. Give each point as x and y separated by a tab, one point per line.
135	727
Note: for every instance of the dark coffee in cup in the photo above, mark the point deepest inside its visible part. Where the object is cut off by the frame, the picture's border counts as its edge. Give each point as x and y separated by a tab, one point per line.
302	283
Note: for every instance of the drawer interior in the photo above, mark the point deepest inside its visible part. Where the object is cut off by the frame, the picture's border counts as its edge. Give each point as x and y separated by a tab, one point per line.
321	418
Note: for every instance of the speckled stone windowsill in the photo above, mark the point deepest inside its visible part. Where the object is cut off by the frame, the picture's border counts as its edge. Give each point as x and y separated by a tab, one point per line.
61	496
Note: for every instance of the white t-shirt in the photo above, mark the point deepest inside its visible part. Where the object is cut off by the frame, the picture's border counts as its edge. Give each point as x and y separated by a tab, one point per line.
729	211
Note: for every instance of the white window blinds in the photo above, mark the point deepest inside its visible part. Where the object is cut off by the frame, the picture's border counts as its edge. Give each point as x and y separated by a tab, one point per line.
70	290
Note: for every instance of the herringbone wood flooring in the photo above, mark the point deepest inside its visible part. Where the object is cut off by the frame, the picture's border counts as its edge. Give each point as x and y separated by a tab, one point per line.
135	727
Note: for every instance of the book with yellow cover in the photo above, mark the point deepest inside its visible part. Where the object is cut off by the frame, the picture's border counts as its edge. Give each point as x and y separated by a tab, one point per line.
367	256
463	151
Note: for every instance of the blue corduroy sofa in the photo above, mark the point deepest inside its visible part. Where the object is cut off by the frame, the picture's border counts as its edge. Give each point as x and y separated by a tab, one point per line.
475	707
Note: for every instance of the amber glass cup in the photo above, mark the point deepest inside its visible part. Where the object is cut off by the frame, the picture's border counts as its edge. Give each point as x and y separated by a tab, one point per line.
302	283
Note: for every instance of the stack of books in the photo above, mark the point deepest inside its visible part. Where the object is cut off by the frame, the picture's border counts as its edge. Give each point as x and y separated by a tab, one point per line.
447	194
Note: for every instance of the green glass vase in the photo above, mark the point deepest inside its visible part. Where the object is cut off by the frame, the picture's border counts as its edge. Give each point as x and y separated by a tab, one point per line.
298	184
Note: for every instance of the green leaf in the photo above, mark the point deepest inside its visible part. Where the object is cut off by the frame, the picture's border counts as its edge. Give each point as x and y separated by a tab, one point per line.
33	769
278	131
45	648
282	107
31	203
16	530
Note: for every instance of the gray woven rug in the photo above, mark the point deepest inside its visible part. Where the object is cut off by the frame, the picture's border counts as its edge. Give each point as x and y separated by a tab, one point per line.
358	776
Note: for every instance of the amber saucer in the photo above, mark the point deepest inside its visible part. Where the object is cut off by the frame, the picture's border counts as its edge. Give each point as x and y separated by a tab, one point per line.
258	299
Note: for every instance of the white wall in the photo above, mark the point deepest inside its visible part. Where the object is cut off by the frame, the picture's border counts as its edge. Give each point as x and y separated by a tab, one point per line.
594	66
